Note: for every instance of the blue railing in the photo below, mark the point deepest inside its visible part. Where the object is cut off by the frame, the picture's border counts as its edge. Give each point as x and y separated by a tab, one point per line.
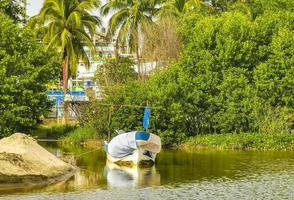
58	97
77	93
60	93
55	92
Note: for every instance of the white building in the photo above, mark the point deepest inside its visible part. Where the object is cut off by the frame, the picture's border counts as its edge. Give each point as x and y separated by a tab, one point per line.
104	49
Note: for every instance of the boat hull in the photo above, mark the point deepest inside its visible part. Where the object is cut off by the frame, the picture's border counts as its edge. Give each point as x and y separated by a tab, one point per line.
139	157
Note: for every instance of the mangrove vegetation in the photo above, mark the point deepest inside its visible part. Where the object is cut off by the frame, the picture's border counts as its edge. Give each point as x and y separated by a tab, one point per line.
25	69
234	75
223	68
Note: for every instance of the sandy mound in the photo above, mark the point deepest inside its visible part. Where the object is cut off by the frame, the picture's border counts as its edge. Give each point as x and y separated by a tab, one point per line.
23	160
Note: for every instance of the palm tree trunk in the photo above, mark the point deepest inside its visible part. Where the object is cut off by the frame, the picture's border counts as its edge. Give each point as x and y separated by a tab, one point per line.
65	86
139	64
138	54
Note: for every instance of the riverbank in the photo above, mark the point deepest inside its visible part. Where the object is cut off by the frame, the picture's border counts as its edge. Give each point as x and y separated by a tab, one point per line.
242	141
86	136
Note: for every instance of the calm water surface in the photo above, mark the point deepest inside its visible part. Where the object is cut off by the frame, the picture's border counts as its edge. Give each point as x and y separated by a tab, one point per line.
176	175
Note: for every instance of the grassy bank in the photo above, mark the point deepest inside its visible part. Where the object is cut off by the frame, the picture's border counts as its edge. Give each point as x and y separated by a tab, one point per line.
86	136
69	134
244	141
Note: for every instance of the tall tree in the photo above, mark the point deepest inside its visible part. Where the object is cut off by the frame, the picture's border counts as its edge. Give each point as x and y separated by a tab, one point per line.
178	7
15	9
68	25
126	21
25	69
162	43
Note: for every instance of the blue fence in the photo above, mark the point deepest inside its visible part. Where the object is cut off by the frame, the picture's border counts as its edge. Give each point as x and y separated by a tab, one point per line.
55	92
60	93
77	93
58	97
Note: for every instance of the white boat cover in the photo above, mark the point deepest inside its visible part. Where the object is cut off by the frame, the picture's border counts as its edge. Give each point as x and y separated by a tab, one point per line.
125	144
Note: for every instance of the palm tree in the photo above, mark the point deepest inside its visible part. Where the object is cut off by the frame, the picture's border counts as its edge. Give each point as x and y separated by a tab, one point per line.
126	21
176	8
68	25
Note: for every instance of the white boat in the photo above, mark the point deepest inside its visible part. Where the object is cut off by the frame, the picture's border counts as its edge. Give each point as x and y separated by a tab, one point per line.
137	148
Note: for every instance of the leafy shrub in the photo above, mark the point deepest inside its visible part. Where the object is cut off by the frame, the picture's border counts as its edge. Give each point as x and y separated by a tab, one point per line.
25	68
243	141
235	74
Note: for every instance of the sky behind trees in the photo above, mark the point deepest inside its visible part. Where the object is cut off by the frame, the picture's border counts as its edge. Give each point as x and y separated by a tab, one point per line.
34	7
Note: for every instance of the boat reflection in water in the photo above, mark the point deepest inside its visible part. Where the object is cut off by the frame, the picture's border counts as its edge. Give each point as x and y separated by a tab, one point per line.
130	177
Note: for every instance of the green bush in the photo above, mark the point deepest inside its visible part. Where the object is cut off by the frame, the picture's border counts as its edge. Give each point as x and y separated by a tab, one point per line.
15	9
235	74
25	69
118	70
243	141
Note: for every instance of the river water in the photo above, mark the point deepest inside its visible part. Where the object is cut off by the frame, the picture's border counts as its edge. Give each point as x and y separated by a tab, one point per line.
176	175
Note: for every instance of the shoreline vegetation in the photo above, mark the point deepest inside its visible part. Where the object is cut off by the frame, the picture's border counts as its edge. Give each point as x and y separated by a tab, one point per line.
220	67
242	141
88	138
234	74
233	141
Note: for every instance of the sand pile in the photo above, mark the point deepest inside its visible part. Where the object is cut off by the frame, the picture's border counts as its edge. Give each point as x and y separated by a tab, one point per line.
23	160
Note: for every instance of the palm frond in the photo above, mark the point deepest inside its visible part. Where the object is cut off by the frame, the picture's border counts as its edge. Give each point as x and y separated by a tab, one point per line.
67	25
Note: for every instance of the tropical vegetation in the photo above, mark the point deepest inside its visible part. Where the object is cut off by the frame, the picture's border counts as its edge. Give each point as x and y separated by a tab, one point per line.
222	66
244	141
127	18
15	9
234	75
25	69
67	25
114	71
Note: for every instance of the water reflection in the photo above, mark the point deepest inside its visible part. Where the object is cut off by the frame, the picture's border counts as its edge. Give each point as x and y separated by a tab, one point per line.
130	177
197	171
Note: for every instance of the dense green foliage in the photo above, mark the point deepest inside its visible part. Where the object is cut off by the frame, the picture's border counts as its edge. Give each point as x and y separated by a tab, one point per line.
106	118
25	69
126	19
114	71
235	74
243	141
67	25
15	9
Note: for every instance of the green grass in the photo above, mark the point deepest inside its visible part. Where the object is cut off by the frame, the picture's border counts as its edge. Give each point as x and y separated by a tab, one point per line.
243	141
81	135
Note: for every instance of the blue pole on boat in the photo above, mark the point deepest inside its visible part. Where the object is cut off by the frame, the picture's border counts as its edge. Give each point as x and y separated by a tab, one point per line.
147	113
